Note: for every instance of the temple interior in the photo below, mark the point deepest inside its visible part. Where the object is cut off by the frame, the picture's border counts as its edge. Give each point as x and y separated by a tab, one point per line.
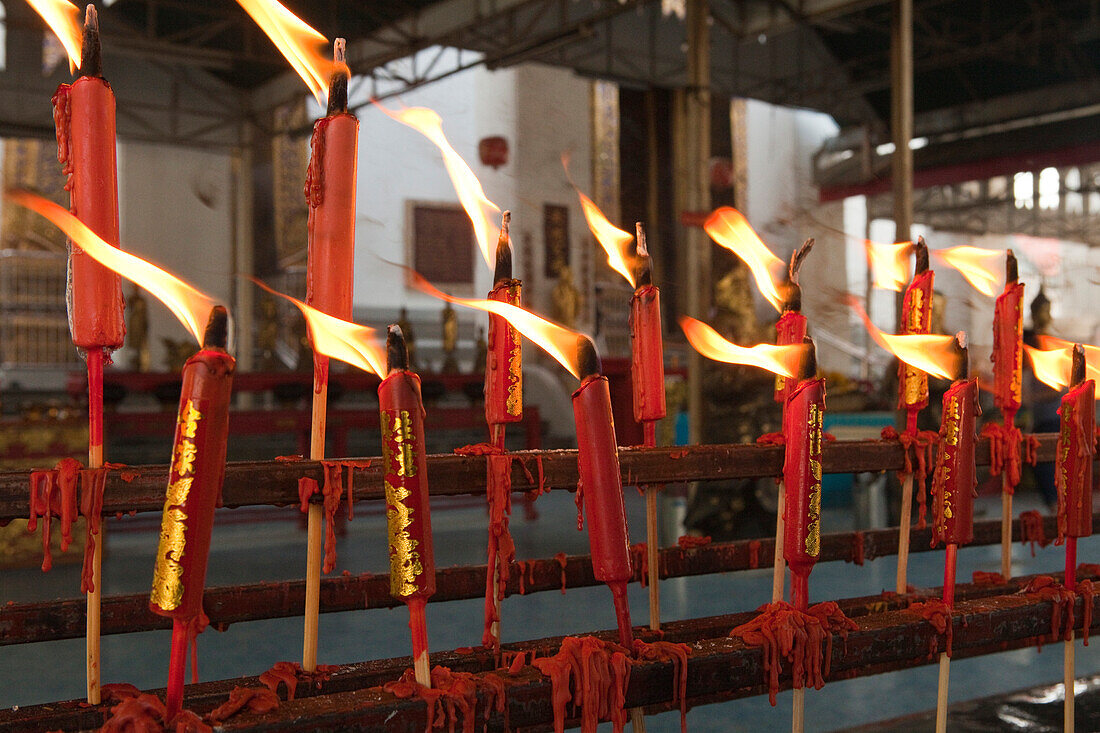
711	365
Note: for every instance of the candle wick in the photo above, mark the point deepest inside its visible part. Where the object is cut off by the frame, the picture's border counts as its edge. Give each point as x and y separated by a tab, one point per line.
921	251
91	57
643	264
338	82
397	352
502	270
1012	268
1078	366
588	359
216	335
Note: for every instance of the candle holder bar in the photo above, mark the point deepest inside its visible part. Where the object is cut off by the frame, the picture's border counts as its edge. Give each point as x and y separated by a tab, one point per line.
23	623
141	488
887	638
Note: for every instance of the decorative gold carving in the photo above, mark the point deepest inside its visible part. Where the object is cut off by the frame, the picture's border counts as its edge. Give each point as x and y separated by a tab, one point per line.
813	525
167	592
405	565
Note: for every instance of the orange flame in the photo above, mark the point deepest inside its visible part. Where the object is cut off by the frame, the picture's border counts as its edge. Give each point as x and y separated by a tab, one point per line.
781	360
470	193
189	305
931	353
1092	354
615	242
360	346
64	20
303	47
889	264
729	229
979	266
1052	366
557	341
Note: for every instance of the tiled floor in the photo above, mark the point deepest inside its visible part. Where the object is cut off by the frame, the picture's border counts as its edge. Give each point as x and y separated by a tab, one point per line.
250	552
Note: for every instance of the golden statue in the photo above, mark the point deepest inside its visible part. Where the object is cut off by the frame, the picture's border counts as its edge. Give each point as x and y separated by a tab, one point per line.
565	299
137	333
481	351
267	337
450	339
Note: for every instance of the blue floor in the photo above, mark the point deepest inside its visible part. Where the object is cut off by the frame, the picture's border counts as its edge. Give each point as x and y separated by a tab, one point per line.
274	550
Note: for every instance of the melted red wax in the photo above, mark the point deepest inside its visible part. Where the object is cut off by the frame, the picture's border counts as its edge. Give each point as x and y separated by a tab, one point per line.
562	560
62	118
525	574
307	487
754	554
333	489
514	661
351	466
479	449
1088	568
984	577
291	673
144	713
1045	588
53	494
256	699
125	473
501	549
1086	591
592	675
690	542
315	173
195	626
530	513
118	691
772	439
639	560
857	555
92	482
290	459
921	445
452	698
667	651
677	454
1004	451
784	632
937	613
578	498
1031	530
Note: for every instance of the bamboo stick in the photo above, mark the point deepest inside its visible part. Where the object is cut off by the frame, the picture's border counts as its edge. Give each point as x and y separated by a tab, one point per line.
314	531
95	460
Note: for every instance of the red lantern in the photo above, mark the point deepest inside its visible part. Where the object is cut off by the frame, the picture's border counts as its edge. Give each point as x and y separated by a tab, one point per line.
493	151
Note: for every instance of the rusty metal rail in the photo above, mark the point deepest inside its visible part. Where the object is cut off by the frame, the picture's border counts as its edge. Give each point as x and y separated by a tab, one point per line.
986	620
64	619
141	488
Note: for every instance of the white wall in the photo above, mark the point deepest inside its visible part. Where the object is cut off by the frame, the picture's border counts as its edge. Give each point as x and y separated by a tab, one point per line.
163	219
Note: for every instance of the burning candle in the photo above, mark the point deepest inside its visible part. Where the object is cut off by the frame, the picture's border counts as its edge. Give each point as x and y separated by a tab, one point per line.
504	365
408	515
916	318
84	114
802	431
1008	350
601	482
1076	448
647	362
195	482
791	326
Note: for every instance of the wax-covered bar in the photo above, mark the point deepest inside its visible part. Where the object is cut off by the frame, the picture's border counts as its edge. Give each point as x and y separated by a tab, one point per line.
504	367
401	408
84	116
195	478
802	429
916	318
647	357
1008	348
330	195
1076	450
954	482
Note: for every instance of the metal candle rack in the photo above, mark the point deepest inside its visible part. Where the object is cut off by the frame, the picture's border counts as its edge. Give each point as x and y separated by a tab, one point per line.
987	618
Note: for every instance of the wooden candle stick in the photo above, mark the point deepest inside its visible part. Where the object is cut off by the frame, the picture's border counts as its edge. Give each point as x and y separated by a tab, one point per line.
916	318
330	195
647	376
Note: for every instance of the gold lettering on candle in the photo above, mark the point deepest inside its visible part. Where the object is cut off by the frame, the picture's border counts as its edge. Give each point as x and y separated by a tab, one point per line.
167	593
399	443
399	457
813	524
513	403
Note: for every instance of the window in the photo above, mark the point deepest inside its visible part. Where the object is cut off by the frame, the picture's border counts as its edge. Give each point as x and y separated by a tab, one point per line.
442	244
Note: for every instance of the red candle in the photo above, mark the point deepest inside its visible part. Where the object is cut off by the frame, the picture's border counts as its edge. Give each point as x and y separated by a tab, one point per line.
647	360
916	317
1076	449
84	115
504	364
330	194
601	482
1008	349
802	430
195	480
412	561
955	480
790	329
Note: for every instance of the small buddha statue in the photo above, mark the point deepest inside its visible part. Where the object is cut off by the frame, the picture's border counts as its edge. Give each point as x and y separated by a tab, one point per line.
267	337
481	351
565	299
450	339
137	333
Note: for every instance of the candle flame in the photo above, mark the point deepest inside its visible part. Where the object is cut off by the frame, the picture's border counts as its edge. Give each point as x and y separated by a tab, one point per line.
479	208
1051	366
557	341
190	305
889	264
729	228
782	360
360	346
615	242
931	353
301	45
64	20
1092	354
982	268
